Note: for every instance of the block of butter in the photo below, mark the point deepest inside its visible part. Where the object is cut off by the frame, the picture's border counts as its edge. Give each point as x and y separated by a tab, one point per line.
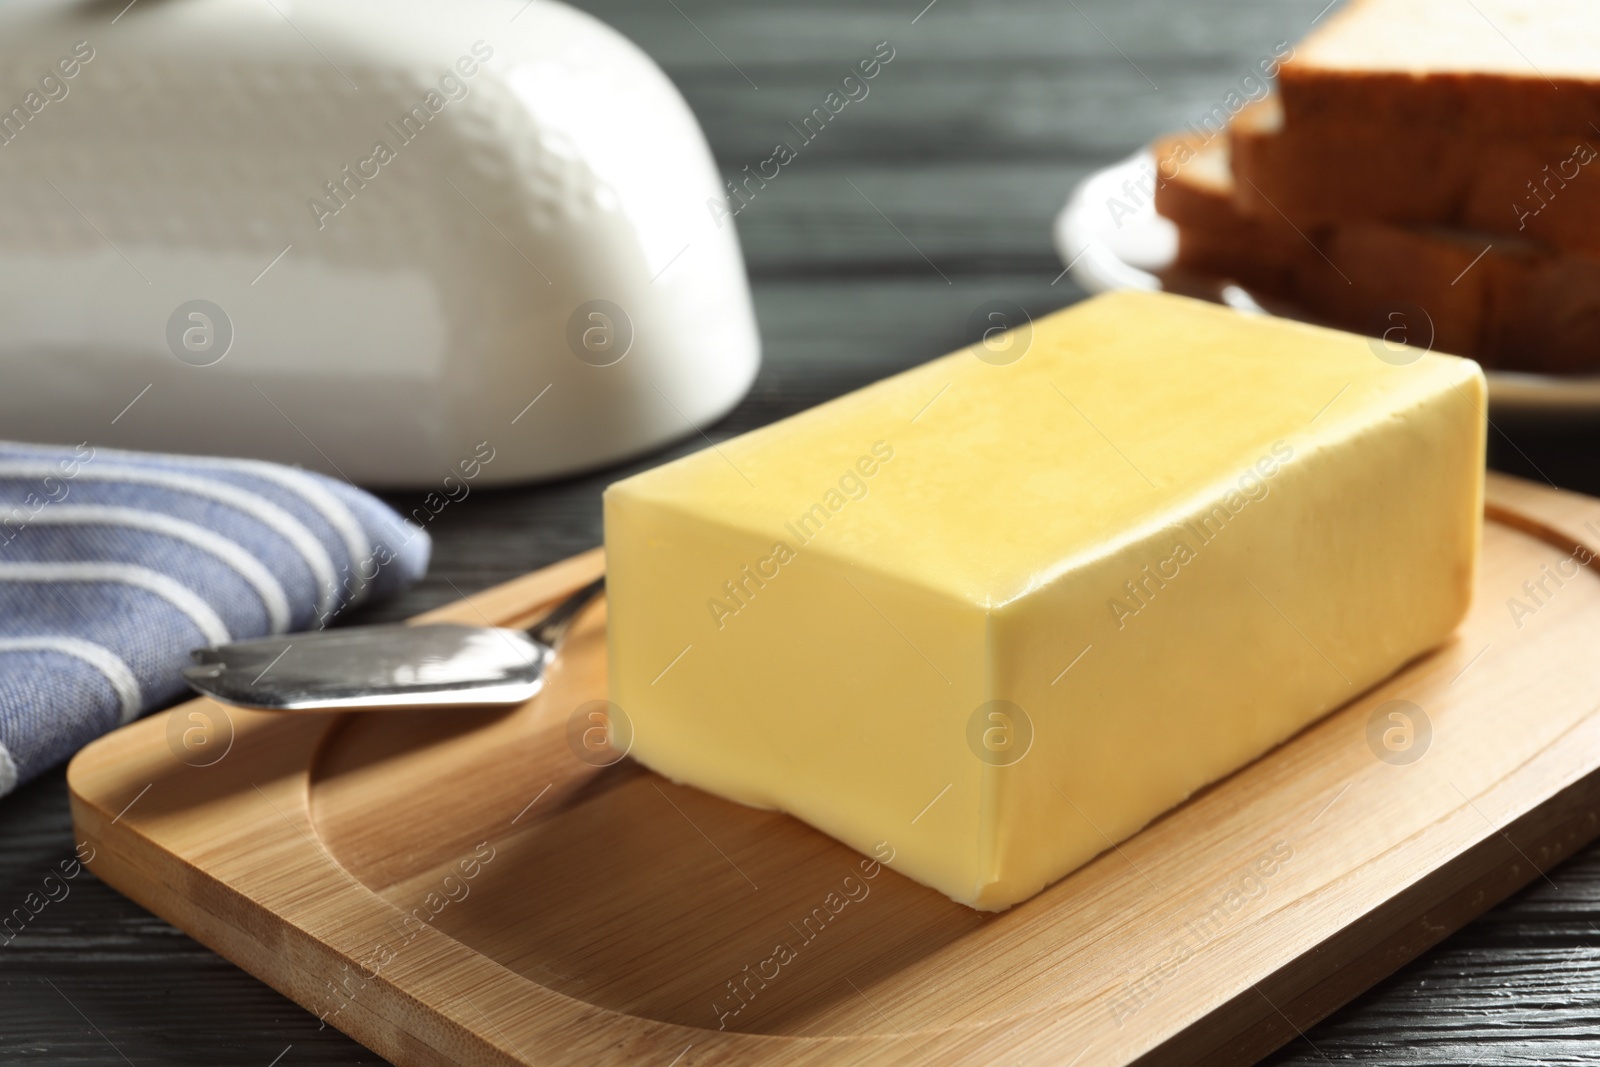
993	614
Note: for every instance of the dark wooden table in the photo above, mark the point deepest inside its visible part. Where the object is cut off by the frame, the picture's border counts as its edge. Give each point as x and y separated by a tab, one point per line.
966	146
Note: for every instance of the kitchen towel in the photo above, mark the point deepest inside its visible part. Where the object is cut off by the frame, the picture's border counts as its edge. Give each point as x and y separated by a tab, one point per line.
114	565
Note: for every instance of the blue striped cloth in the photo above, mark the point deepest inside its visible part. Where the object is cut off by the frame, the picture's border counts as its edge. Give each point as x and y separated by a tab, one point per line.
113	565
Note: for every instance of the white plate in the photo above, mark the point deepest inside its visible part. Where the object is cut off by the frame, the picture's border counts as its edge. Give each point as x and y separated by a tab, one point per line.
1108	247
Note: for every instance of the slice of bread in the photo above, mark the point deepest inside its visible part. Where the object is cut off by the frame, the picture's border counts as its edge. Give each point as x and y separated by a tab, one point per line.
1354	276
1511	68
1428	288
1196	191
1547	313
1507	302
1544	187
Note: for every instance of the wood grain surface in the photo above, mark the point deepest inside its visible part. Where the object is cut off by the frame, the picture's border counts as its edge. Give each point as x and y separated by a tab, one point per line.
485	887
968	144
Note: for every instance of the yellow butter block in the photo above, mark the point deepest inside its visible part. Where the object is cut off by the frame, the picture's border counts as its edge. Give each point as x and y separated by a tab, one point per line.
991	615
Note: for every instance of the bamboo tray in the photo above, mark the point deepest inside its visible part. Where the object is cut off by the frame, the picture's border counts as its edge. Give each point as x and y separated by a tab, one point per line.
463	888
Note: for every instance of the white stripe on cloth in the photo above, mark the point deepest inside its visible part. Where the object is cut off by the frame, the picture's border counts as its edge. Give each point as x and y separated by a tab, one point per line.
8	772
340	517
273	598
99	657
297	481
264	511
169	589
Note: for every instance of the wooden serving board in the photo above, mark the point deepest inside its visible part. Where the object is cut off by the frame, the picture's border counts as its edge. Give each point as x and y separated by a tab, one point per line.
462	888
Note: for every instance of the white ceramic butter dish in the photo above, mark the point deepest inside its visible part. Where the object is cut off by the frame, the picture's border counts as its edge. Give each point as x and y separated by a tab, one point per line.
364	236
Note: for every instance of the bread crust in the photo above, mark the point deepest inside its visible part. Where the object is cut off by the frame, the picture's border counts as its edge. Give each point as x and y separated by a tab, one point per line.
1510	303
1489	68
1543	188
